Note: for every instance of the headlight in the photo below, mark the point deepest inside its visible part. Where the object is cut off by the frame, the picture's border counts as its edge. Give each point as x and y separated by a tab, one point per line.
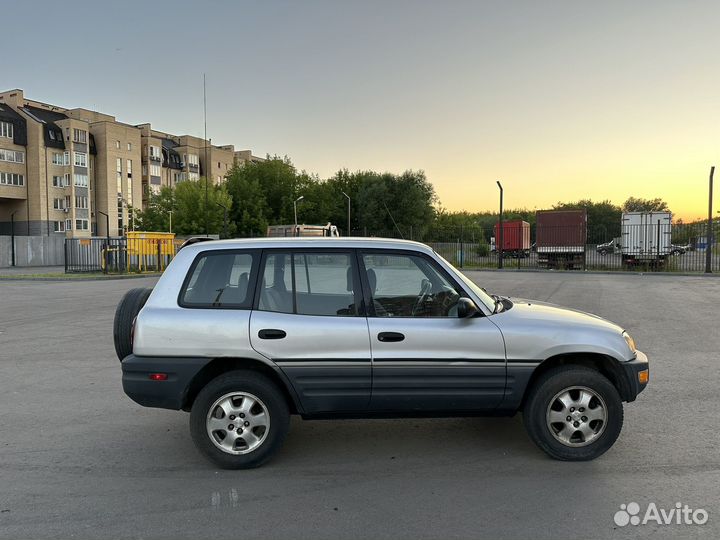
630	341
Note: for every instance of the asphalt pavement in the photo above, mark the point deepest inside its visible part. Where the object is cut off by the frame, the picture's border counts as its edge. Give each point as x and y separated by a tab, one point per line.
78	459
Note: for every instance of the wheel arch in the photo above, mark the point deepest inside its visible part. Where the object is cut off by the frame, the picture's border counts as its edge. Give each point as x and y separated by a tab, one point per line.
603	363
219	366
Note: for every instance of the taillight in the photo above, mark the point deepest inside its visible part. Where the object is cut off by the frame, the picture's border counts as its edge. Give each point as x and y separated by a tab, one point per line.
158	376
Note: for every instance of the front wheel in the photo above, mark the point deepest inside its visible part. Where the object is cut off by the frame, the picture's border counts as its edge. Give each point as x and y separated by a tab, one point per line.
573	413
239	420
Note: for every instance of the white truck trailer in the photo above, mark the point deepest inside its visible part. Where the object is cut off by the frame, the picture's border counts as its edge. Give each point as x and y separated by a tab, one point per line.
646	237
302	230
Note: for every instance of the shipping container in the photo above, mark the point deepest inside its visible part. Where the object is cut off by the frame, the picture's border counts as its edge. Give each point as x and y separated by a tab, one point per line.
515	238
646	237
561	236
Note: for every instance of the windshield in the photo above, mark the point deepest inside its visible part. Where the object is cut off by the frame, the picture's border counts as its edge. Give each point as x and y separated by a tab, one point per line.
484	297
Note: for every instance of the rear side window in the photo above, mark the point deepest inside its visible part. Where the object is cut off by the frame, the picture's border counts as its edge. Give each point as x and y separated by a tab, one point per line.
221	280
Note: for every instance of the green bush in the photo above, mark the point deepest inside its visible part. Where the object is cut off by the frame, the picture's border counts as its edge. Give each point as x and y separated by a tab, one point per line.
483	250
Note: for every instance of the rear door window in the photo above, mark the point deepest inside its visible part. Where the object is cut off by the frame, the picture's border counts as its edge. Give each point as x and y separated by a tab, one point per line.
221	280
310	283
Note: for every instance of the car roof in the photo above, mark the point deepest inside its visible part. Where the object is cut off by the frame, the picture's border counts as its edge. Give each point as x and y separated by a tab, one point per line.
309	242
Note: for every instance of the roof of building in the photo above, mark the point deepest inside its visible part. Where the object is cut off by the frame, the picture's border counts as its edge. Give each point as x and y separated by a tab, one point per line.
52	133
19	124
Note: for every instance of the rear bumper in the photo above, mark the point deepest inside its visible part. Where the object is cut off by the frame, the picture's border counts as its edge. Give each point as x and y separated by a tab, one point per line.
168	394
633	368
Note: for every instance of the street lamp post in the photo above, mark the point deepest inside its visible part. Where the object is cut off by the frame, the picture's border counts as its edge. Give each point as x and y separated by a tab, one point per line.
500	231
348	199
106	251
709	234
300	198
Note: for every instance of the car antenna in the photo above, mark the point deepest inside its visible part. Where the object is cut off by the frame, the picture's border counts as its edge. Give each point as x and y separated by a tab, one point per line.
393	220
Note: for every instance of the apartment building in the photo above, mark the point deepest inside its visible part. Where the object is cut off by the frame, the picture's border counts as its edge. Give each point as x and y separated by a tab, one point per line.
79	173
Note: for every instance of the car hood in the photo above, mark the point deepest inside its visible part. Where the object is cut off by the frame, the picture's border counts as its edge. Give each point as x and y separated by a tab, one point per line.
530	310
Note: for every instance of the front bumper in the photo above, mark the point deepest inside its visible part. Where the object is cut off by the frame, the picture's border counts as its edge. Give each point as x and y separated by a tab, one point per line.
166	394
634	371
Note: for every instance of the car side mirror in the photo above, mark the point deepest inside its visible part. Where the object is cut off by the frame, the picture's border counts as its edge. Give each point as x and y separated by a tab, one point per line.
466	308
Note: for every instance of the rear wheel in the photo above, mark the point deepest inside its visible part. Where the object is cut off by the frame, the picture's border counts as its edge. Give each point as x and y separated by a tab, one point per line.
239	420
573	413
125	314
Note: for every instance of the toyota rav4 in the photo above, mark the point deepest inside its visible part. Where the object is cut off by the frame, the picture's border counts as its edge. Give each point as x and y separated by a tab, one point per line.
244	333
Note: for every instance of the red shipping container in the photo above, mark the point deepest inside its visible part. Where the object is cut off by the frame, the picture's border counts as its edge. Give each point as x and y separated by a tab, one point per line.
516	235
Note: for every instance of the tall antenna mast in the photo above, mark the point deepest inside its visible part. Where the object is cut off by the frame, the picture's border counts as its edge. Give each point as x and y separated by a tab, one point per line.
207	163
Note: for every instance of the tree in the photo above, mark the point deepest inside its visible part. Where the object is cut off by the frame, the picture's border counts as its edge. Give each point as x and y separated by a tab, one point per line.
250	209
190	208
156	216
636	204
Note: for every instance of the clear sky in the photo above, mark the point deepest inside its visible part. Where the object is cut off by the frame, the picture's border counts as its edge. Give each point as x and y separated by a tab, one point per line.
560	100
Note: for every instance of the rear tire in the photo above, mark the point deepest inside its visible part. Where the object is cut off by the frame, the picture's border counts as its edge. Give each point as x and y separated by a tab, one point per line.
255	408
125	314
573	413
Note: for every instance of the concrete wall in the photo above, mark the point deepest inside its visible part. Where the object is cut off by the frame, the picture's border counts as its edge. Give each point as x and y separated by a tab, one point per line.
33	251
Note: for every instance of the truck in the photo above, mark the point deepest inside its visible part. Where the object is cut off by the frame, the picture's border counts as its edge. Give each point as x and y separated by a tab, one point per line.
561	236
646	238
329	230
515	238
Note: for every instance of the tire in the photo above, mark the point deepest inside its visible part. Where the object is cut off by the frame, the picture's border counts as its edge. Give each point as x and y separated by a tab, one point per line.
543	406
125	314
240	386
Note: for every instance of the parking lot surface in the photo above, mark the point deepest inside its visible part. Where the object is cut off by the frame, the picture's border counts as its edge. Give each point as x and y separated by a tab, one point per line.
78	459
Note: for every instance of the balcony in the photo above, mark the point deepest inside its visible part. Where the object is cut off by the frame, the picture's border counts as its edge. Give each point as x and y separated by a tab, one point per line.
155	158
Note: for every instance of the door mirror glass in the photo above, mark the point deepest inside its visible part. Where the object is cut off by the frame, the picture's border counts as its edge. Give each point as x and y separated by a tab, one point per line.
466	308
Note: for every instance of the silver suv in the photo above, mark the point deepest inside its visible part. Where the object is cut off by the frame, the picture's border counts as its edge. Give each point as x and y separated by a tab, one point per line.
244	333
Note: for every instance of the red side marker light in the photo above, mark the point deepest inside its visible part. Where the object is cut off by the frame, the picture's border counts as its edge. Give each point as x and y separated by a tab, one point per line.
158	376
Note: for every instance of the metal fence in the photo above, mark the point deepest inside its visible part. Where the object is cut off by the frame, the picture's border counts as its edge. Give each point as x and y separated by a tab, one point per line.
664	248
117	255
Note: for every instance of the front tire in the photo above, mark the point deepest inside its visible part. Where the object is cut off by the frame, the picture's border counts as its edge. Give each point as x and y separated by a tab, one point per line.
239	420
573	413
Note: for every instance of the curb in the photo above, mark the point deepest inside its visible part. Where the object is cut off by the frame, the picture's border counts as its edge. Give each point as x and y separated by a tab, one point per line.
89	278
591	272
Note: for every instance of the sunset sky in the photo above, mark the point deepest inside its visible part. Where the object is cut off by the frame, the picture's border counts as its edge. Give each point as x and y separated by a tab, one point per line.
560	100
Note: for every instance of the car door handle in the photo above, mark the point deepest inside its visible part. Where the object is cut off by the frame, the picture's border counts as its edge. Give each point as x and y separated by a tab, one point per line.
387	337
271	333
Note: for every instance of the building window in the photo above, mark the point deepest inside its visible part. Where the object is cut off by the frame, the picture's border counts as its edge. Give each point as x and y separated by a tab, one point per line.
59	181
12	156
80	180
59	203
80	159
6	130
191	159
155	154
81	201
117	145
61	159
219	179
155	170
193	176
79	135
59	226
81	224
12	179
129	147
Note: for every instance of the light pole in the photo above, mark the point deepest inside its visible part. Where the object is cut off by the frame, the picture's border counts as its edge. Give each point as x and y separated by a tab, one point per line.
500	231
300	198
348	198
225	215
709	234
107	224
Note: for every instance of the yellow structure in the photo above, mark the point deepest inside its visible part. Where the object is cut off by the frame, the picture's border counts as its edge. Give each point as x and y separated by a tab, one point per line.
150	250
